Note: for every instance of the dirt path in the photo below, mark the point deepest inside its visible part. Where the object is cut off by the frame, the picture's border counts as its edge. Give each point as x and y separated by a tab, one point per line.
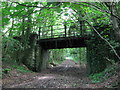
67	75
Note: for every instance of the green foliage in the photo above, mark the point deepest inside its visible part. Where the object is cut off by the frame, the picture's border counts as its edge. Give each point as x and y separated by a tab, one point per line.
56	56
11	43
10	47
114	43
104	75
20	68
6	70
76	54
96	78
16	67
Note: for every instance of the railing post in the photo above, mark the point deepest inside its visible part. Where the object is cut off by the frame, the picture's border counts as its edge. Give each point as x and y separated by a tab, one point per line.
65	27
81	27
51	31
39	32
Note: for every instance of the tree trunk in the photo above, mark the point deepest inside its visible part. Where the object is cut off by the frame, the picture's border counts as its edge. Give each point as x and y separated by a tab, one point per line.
114	20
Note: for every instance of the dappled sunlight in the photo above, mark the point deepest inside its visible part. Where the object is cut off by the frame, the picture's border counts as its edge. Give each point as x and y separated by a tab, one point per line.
45	77
69	58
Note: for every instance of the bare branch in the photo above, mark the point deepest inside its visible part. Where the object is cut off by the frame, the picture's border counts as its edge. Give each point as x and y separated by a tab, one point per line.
104	40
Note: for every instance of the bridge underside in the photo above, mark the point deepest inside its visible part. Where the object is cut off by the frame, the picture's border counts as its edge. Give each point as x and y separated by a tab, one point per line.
64	42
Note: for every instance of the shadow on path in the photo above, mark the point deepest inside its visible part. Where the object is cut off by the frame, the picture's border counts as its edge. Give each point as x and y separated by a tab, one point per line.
66	75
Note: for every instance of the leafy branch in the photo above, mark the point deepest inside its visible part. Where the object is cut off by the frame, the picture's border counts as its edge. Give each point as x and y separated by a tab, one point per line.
35	5
97	8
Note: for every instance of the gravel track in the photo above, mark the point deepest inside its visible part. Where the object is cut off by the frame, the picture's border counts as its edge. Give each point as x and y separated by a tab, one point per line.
66	75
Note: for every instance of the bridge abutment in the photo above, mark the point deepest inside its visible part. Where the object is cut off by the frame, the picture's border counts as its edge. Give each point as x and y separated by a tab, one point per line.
34	57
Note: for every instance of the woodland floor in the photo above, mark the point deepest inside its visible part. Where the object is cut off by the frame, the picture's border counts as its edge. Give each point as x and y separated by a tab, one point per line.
66	75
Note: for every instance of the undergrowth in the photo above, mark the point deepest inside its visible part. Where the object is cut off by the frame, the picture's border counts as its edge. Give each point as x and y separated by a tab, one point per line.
18	68
102	76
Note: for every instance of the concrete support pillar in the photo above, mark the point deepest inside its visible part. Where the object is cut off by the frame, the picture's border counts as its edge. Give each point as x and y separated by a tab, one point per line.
45	56
42	56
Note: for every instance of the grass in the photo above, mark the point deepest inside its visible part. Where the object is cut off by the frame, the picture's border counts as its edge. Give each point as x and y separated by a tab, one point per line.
96	78
20	68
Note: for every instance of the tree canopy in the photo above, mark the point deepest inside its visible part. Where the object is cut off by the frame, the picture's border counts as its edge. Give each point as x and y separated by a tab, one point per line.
59	19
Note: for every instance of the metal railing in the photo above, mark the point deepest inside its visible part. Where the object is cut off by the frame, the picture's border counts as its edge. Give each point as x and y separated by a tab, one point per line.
61	31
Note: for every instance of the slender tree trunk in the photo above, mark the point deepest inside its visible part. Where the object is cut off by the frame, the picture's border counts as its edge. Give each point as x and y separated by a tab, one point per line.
114	20
10	33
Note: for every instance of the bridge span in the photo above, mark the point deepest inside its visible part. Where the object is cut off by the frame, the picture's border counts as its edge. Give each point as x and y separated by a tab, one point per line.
64	42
